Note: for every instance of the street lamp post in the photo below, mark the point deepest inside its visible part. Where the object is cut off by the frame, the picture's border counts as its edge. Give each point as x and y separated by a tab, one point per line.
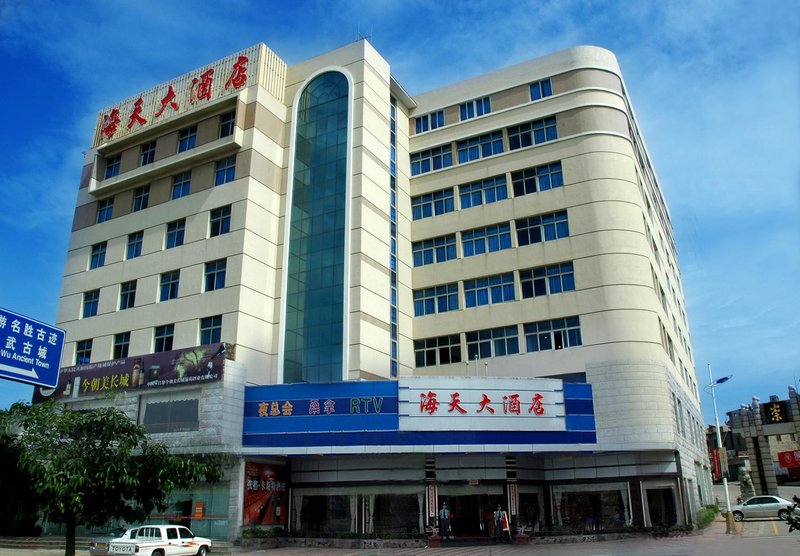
724	472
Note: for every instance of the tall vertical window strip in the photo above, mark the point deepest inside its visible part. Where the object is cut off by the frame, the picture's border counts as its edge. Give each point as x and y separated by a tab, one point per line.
135	241
430	204
98	257
483	192
477	107
541	89
536	179
436	250
482	146
141	198
434	120
438	299
393	237
546	227
431	159
532	133
314	334
486	240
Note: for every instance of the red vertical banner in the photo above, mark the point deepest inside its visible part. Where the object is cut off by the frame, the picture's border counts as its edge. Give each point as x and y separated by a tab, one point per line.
716	471
512	498
265	494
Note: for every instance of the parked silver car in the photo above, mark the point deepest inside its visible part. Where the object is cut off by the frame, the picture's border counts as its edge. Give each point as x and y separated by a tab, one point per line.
765	505
100	539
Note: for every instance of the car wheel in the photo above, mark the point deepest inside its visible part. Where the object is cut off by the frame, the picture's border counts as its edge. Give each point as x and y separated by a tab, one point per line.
738	516
203	551
783	515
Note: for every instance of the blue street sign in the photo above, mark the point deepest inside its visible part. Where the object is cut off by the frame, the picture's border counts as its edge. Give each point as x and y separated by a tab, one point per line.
30	351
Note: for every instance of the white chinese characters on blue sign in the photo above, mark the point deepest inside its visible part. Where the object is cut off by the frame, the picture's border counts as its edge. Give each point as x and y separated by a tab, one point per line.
30	351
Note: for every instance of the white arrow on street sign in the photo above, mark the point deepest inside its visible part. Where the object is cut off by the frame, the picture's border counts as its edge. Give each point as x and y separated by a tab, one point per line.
22	372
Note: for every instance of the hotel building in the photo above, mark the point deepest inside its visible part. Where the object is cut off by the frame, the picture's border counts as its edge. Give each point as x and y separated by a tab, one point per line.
381	302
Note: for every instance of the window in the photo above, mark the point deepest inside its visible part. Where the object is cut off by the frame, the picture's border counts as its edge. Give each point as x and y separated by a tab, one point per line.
491	289
112	166
220	221
122	342
432	159
215	275
552	334
548	226
433	120
477	107
437	351
83	352
439	299
532	180
226	169
175	232
163	338
169	285
134	245
181	185
486	240
147	155
187	139
483	192
480	147
165	416
210	330
127	295
141	197
436	250
546	280
90	301
105	209
530	133
492	342
227	122
541	89
436	203
98	257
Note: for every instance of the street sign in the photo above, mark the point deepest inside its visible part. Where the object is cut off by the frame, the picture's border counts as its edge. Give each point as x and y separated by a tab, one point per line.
30	351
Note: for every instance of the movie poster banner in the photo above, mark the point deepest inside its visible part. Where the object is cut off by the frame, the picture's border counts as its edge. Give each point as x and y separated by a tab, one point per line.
265	494
156	370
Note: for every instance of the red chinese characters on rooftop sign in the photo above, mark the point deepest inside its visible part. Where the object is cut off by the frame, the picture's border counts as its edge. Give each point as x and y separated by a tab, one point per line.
512	405
184	93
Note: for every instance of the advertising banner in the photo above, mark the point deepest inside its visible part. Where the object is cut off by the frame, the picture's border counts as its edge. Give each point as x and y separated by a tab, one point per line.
265	494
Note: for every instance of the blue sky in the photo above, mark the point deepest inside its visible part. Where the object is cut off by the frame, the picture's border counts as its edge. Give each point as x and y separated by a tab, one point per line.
715	86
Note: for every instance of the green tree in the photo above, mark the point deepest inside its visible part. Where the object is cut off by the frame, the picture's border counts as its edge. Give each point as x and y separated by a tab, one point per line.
89	467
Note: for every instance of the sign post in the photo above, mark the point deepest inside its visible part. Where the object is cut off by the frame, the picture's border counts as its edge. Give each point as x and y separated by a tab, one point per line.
30	351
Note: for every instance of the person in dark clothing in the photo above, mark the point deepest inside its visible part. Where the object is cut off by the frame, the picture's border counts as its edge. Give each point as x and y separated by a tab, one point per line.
444	523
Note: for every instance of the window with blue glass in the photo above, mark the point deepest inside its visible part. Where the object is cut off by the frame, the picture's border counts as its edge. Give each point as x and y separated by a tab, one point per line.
540	178
147	153
98	257
113	164
430	204
134	248
225	170
122	343
431	159
210	330
492	342
489	290
215	275
436	250
434	120
227	122
545	227
105	209
477	107
175	233
438	299
187	138
541	89
482	146
442	350
90	302
547	280
483	192
169	285
393	362
127	295
316	267
532	133
181	184
83	352
162	337
141	198
486	240
552	334
220	221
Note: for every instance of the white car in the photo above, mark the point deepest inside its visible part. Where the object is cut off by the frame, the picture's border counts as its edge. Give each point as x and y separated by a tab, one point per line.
765	505
160	540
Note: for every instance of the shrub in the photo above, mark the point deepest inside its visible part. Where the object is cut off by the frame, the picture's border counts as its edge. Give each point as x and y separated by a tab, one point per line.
706	515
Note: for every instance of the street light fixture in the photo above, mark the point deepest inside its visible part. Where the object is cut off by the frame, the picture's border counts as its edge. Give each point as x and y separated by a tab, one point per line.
711	388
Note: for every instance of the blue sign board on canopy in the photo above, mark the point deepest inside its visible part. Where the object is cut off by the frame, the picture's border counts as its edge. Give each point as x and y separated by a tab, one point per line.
30	351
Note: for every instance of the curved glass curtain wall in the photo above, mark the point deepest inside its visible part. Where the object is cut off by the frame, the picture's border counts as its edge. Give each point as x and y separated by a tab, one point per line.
314	324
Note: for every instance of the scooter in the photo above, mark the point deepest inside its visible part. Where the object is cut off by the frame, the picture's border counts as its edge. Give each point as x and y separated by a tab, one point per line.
793	519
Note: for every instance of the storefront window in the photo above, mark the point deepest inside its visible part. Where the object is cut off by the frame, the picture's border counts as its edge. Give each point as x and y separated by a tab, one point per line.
199	510
326	515
591	507
393	514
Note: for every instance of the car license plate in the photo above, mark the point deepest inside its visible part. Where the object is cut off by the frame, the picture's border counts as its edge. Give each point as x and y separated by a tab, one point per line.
122	549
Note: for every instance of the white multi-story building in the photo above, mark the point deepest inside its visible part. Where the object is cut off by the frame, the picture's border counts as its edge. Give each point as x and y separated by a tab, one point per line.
477	286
